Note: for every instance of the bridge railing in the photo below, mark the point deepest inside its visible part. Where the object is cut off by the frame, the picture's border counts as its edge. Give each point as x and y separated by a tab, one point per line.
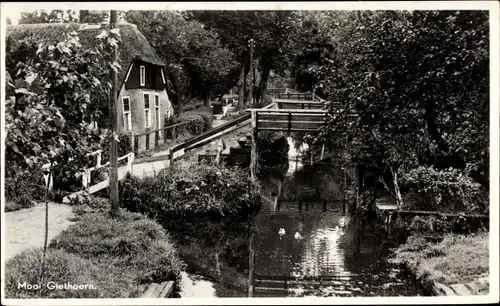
288	120
298	104
294	96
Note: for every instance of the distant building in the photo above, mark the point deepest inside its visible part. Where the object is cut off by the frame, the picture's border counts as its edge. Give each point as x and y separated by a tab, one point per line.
143	102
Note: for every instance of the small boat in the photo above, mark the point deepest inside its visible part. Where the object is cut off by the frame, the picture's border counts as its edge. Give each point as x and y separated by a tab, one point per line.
297	236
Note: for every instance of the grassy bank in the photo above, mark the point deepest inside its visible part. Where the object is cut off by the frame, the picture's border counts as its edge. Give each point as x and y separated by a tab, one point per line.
118	257
456	259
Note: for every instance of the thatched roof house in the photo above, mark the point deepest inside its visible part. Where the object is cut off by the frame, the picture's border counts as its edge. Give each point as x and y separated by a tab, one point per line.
143	102
135	45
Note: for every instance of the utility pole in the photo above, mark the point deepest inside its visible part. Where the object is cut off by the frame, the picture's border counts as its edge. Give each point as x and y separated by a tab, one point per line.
113	151
251	44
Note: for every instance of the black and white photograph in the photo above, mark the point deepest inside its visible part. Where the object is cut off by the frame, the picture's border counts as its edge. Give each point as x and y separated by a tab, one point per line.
238	152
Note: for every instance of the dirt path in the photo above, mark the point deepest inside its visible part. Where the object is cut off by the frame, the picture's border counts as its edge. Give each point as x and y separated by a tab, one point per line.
25	228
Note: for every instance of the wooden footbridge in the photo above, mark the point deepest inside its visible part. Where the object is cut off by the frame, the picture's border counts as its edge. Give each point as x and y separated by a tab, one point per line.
285	116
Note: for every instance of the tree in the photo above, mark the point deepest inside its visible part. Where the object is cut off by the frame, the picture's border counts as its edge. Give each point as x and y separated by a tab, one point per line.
49	113
56	97
198	65
419	84
43	16
269	29
64	16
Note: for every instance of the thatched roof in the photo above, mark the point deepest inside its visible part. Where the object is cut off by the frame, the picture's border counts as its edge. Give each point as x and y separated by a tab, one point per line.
134	46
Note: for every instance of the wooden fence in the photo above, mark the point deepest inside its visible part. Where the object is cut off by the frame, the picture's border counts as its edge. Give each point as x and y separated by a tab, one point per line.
87	173
160	136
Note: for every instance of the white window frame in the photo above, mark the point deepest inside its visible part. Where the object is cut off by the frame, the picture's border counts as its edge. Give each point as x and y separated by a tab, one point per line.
142	75
128	118
128	72
147	115
162	76
158	110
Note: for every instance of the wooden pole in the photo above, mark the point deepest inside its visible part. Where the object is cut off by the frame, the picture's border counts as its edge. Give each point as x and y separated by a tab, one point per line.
253	174
253	152
113	154
251	259
322	151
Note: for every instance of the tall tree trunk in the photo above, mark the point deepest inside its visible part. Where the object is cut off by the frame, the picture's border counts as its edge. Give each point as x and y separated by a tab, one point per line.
241	88
206	99
397	191
266	70
246	86
176	97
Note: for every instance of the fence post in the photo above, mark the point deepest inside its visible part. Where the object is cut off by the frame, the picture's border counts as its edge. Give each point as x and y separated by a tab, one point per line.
84	179
136	144
174	133
165	131
130	161
157	138
171	157
99	158
147	141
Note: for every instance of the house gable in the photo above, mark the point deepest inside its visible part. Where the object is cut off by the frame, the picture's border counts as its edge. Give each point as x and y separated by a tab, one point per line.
153	77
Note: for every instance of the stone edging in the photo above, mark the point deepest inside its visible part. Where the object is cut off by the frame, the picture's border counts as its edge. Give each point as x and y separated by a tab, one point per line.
480	286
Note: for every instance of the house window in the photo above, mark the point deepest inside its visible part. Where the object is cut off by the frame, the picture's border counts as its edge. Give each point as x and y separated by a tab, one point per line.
127	118
143	75
157	111
147	112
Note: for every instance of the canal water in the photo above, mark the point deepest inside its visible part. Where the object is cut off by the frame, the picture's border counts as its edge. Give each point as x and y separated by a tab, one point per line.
304	244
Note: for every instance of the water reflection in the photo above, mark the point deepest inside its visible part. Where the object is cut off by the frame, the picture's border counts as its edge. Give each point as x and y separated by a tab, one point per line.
308	202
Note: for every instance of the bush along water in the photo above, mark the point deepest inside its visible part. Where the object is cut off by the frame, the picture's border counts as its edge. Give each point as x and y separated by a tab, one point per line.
187	191
449	190
273	154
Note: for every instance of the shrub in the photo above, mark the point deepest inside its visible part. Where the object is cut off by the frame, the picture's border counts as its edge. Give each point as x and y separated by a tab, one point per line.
448	190
23	190
206	113
273	148
190	189
196	123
